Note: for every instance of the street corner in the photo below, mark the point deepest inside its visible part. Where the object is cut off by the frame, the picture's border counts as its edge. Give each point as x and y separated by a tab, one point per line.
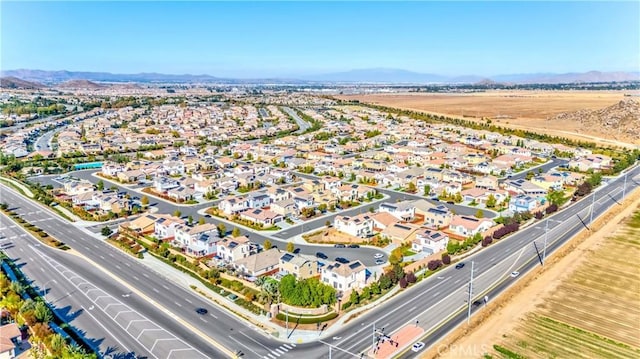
388	345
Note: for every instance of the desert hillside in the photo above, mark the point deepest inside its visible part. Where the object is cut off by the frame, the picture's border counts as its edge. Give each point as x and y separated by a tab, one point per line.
80	84
10	82
620	121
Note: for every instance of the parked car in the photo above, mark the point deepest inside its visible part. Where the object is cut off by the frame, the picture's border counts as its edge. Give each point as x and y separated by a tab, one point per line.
379	262
201	311
459	265
342	260
417	346
515	274
354	246
378	256
321	255
339	246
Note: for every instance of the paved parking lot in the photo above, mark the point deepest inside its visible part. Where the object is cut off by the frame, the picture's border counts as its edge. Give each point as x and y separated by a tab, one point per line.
151	336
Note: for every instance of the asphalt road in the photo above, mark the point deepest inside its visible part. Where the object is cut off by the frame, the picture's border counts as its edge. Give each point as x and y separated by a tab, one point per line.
431	302
303	125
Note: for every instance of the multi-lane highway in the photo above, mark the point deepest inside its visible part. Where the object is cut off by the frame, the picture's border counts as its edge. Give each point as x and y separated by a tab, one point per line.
437	303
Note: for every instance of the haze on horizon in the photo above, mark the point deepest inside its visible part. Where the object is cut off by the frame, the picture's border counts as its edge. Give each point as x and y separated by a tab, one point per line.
262	39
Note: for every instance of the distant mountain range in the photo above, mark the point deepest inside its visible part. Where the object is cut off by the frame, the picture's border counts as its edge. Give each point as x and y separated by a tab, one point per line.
378	75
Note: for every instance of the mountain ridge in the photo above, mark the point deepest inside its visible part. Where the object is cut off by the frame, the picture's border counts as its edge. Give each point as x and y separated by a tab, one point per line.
374	75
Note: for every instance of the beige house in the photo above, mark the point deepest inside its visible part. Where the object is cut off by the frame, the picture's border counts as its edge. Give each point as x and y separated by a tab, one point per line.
10	337
301	267
259	264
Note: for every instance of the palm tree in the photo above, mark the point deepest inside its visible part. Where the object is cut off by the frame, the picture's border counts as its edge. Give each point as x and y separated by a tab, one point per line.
57	344
17	288
12	303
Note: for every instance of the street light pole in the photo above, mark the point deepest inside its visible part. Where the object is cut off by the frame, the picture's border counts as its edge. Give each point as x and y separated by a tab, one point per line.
44	288
287	321
373	336
470	294
624	187
546	235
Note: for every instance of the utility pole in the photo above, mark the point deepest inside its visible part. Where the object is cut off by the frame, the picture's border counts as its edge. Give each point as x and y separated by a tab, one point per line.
330	351
624	187
546	235
373	336
286	311
470	295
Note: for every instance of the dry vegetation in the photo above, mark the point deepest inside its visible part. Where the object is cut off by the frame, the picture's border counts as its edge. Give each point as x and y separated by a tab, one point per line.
517	109
594	313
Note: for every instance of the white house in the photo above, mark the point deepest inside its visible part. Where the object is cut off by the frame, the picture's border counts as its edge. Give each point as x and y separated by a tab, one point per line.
233	205
468	226
259	200
197	241
231	249
357	226
344	277
430	241
402	210
165	227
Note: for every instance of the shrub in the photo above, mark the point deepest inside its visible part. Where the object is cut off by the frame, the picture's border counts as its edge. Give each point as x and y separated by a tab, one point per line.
446	258
403	282
434	264
552	208
411	277
539	215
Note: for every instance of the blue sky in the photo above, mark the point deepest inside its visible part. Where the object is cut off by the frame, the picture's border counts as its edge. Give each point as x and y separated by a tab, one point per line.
249	39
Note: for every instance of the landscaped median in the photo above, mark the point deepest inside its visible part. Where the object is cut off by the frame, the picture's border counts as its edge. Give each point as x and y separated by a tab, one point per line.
37	232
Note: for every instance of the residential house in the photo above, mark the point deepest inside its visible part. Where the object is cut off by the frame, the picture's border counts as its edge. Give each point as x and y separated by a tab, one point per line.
438	217
231	249
522	203
344	277
264	217
382	220
285	208
259	200
233	205
430	241
358	226
522	186
400	233
549	181
162	184
164	228
487	182
300	266
132	176
197	241
404	211
10	338
259	264
468	226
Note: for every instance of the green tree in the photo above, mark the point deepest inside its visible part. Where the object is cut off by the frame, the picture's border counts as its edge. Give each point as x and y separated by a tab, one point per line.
354	298
290	247
235	232
479	213
177	213
557	197
106	231
267	244
100	185
201	221
222	230
411	187
426	190
396	256
144	201
491	201
42	313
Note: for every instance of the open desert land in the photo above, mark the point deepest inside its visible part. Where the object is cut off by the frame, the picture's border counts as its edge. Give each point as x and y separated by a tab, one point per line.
516	109
585	304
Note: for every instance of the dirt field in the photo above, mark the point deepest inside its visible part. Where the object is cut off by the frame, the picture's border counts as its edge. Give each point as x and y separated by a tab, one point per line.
516	109
584	304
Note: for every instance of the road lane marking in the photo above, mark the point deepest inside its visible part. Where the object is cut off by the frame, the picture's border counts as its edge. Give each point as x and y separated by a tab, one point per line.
251	350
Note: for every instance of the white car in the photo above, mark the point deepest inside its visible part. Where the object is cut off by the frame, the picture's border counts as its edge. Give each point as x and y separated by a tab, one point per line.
514	274
417	346
378	256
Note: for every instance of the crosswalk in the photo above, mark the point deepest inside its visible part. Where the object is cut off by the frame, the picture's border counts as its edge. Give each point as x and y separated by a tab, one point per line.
281	350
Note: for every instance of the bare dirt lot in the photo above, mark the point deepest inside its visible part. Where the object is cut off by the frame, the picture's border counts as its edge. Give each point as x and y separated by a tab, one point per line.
516	109
584	304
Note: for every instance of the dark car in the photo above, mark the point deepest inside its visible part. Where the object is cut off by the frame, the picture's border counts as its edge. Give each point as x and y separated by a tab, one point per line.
321	255
342	260
201	311
339	245
296	251
354	246
459	265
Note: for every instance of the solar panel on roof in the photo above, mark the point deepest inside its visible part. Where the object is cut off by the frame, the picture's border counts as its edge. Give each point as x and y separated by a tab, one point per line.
402	227
287	257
